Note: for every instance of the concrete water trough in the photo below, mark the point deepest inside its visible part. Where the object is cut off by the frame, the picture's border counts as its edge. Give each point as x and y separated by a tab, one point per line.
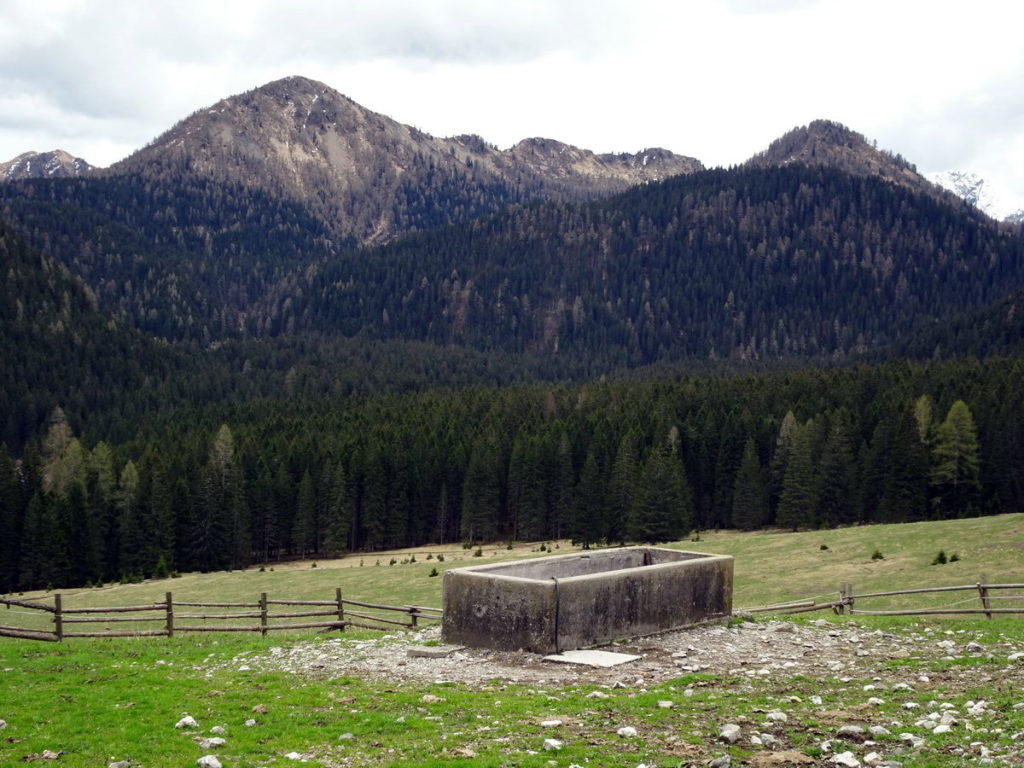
585	599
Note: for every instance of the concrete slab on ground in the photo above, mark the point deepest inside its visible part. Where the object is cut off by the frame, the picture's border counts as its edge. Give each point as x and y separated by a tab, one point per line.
592	658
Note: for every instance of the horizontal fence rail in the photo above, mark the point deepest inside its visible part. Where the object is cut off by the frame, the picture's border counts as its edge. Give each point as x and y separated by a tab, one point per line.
162	618
846	604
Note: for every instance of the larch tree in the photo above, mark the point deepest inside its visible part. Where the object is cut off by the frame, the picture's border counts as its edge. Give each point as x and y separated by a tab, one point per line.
956	467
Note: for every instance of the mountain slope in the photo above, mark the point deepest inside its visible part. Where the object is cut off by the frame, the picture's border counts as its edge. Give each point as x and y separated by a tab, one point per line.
753	263
371	177
833	145
57	164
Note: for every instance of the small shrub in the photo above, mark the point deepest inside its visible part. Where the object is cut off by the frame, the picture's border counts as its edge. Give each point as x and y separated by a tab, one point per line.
313	565
695	537
263	569
440	557
479	552
412	559
877	555
509	545
823	547
467	545
433	572
940	559
430	555
954	558
543	547
393	561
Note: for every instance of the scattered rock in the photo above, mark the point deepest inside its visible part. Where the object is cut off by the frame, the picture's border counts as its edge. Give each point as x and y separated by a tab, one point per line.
974	647
721	762
250	723
463	752
777	717
293	756
550	723
552	745
260	709
598	695
879	730
120	764
912	741
626	732
3	724
213	743
846	759
666	704
873	759
208	761
730	733
429	698
432	651
218	730
187	722
850	732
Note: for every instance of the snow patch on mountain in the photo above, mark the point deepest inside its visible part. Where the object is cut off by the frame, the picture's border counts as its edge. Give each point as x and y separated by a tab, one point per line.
987	197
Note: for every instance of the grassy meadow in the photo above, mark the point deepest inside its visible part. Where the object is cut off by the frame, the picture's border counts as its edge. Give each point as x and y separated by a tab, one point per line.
94	702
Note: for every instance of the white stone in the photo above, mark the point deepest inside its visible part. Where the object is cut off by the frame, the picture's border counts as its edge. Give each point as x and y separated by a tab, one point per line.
1015	657
816	701
975	647
911	740
626	731
721	762
875	701
777	717
550	723
942	729
850	730
552	745
293	756
873	759
208	761
213	743
250	723
666	704
598	695
880	730
187	722
846	759
730	733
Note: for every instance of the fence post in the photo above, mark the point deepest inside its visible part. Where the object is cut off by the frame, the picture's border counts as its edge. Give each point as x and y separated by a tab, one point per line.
170	614
841	608
263	614
341	609
413	616
58	618
849	596
983	594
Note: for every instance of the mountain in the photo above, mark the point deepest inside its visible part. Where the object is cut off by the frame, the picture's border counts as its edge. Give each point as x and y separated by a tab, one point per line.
744	264
980	193
57	164
833	145
371	177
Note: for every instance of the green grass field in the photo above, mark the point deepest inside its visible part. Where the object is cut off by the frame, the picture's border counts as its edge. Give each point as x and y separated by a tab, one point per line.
99	701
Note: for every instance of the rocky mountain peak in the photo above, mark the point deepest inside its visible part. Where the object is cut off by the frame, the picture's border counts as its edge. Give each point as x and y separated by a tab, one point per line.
358	170
43	165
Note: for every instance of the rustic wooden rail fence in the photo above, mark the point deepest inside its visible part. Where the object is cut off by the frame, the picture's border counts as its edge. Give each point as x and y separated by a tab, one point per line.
846	602
263	616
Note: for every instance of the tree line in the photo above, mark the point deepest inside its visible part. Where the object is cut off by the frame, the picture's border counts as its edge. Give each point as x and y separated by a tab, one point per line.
234	485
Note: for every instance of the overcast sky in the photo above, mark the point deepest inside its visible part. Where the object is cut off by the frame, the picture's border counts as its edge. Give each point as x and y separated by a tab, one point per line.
938	82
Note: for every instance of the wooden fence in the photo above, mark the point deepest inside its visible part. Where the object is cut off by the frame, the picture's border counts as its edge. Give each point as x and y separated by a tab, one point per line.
846	603
173	617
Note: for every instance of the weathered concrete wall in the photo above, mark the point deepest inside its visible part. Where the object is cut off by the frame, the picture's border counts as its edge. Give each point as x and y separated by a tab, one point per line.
582	600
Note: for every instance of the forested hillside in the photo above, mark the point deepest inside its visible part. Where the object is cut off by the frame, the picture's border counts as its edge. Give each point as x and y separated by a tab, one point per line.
232	485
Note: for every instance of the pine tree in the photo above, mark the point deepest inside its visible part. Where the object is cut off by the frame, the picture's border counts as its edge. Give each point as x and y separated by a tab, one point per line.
838	477
799	499
621	487
302	531
481	492
337	512
749	496
662	508
588	522
956	470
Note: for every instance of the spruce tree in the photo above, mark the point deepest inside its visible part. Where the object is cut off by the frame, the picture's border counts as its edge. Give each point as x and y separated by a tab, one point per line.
749	496
799	499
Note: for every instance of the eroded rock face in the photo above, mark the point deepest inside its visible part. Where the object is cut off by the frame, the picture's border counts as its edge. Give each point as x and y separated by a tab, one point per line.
57	164
357	169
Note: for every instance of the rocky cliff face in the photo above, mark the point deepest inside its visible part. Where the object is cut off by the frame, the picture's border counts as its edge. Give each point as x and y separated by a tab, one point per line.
372	177
43	165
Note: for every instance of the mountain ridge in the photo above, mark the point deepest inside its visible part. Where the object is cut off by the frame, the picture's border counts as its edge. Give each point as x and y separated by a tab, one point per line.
362	171
55	164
